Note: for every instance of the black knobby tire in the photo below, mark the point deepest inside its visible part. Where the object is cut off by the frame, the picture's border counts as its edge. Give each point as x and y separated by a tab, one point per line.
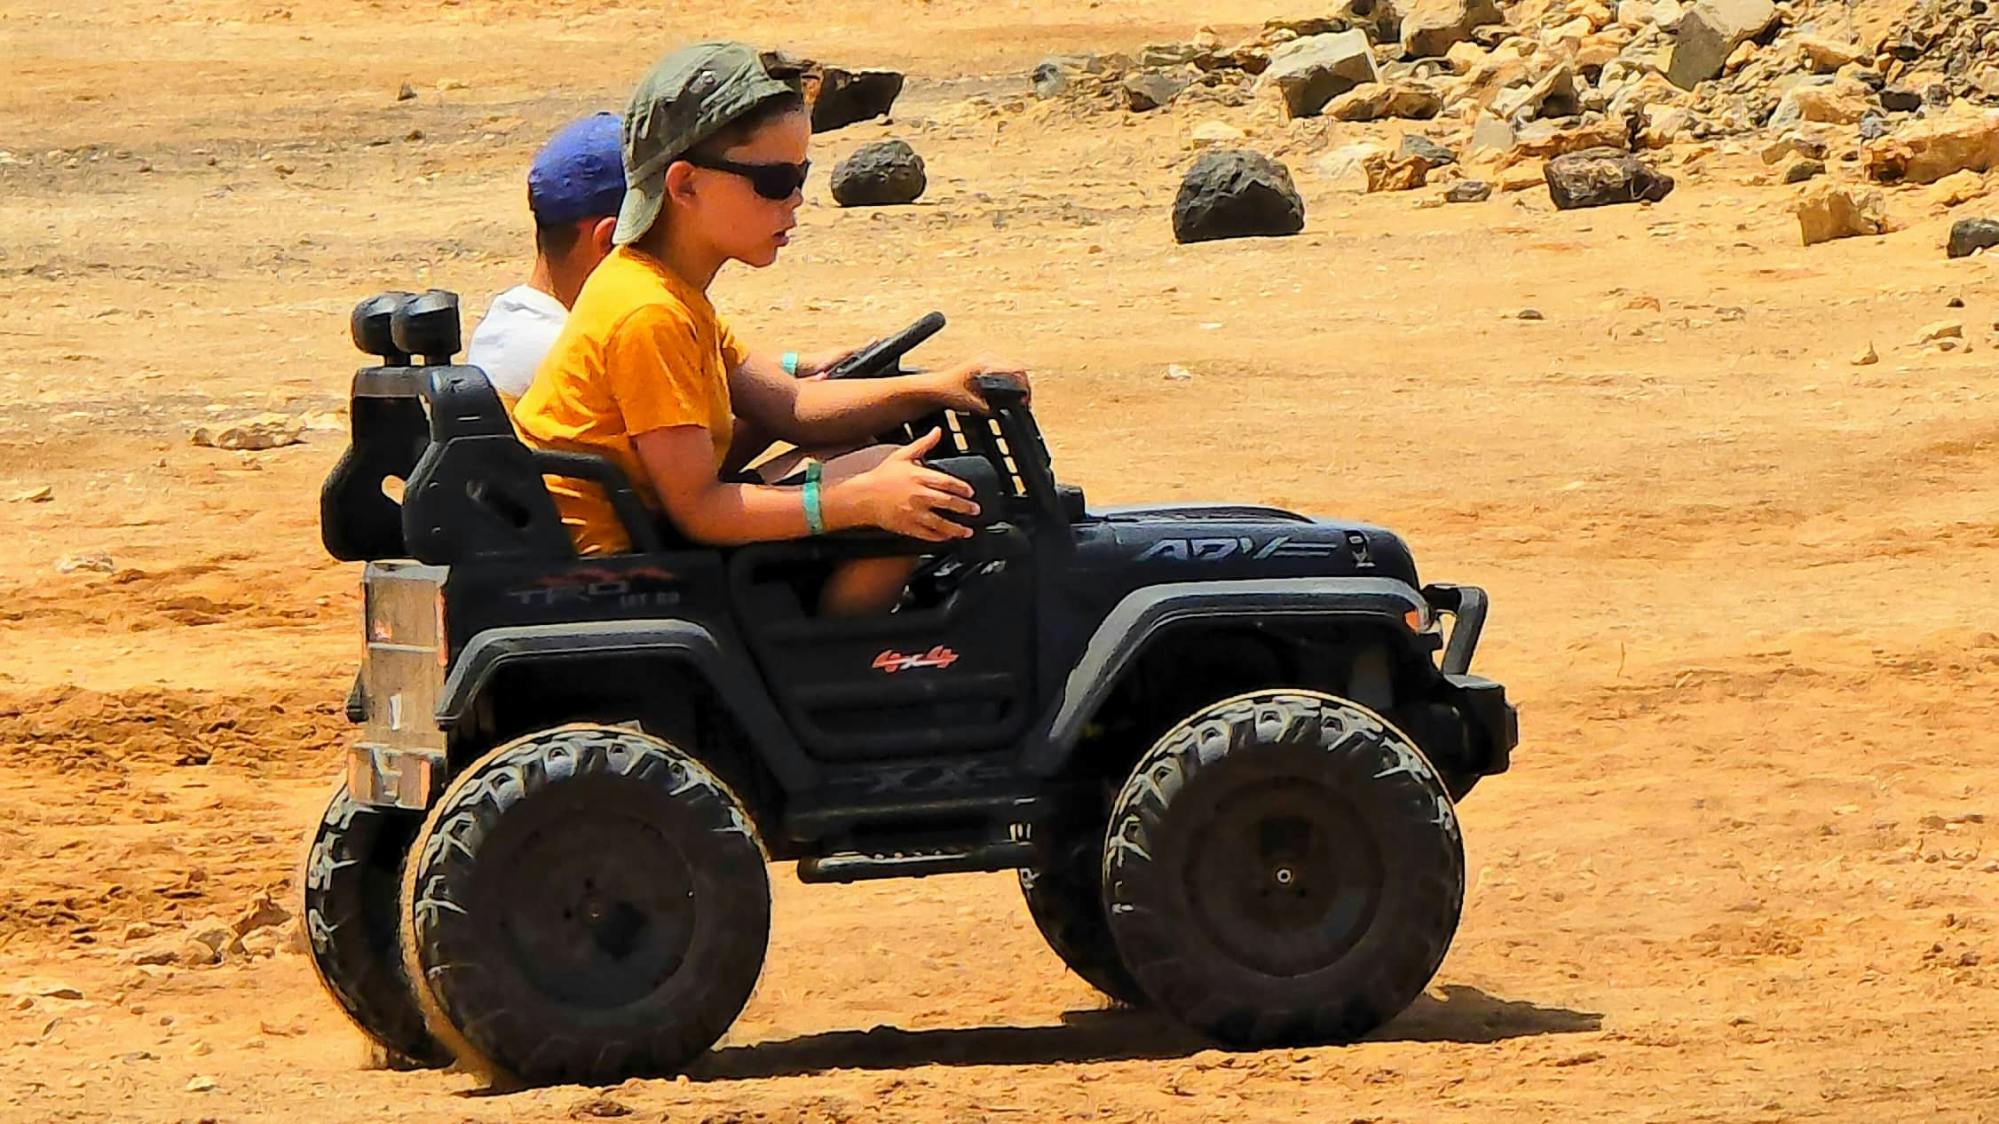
1065	896
585	905
1284	868
352	877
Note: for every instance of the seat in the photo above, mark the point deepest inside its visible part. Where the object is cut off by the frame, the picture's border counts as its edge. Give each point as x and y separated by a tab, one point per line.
477	494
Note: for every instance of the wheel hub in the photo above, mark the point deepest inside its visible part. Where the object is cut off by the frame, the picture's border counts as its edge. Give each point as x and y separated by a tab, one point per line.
599	914
1284	877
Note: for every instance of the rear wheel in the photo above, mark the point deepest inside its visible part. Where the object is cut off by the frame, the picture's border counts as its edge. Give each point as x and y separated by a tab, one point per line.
1283	868
586	905
353	870
1065	896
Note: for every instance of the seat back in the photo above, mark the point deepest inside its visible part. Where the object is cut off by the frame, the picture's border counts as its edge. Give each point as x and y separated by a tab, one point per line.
476	494
358	520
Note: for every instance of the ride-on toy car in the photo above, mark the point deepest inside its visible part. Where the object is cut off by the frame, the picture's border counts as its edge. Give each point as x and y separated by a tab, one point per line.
1221	744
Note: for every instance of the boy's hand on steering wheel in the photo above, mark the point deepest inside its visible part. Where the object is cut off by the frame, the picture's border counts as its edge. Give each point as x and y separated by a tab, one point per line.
904	496
817	364
956	388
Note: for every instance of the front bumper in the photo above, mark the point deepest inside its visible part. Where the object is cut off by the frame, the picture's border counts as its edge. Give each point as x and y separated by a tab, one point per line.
1492	723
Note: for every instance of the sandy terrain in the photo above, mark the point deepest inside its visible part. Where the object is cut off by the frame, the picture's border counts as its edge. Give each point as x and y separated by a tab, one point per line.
1744	869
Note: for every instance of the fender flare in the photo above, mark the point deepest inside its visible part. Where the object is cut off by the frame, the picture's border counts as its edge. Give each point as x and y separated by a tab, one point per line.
1143	614
726	672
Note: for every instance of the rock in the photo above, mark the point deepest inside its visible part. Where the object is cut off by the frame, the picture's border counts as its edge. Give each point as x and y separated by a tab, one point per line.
1873	127
1432	27
598	1107
1149	90
268	431
1900	101
263	912
43	494
842	97
1346	167
1311	72
1415	144
1713	31
1866	357
1169	54
1545	139
406	92
1824	101
1793	144
1825	55
1798	171
1054	75
1207	134
883	174
1377	101
1600	177
1929	150
1829	211
200	1084
1957	188
1554	95
1968	236
156	956
1941	330
1665	124
1236	193
1491	134
1468	191
1396	173
86	563
45	989
1176	373
210	934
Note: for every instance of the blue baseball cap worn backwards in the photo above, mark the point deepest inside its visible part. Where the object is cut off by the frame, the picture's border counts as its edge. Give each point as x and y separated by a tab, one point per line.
579	173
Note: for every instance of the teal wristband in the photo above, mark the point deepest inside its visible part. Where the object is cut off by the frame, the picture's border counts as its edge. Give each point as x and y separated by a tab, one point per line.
815	521
790	362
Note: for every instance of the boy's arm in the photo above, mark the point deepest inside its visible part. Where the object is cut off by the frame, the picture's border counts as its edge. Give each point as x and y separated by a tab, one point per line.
900	496
817	412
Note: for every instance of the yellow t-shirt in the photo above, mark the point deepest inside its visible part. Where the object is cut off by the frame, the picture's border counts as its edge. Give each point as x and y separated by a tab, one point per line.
642	350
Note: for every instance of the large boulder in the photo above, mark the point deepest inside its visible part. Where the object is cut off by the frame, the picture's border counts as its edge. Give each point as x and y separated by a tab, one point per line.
1930	150
1310	72
1711	32
1830	211
1236	193
1432	27
882	174
1600	177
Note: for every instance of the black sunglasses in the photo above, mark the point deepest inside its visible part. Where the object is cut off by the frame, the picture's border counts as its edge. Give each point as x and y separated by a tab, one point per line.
772	181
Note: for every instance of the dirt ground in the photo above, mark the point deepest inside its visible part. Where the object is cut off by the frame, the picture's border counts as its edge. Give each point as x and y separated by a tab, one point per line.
1742	585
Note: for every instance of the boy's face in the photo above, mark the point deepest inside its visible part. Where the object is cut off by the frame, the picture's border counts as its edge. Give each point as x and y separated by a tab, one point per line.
743	224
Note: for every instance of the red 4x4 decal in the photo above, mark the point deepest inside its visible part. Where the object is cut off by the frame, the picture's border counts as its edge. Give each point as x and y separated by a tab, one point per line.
893	661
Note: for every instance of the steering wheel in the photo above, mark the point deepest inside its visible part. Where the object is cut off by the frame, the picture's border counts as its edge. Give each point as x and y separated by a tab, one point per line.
882	358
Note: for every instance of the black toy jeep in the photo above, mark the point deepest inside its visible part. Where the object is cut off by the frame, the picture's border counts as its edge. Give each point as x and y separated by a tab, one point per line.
1220	743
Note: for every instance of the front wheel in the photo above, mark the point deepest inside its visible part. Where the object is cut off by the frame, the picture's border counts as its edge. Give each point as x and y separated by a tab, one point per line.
1283	868
585	905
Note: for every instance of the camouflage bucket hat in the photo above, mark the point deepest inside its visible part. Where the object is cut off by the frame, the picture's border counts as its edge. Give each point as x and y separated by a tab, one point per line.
685	98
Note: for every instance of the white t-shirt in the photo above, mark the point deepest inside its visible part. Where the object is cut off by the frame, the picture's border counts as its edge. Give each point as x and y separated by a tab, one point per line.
516	333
